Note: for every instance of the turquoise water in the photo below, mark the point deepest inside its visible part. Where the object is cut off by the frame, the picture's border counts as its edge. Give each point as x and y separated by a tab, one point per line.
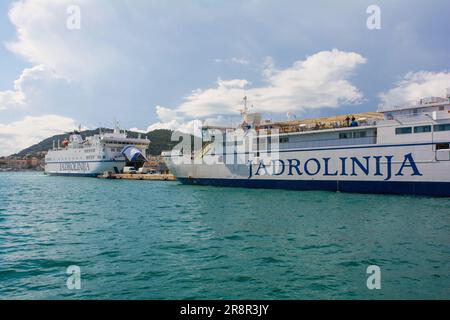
162	240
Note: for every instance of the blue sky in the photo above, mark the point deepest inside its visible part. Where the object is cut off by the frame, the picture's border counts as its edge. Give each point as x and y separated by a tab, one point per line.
164	64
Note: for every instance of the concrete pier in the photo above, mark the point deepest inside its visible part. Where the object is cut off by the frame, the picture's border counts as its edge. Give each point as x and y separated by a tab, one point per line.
138	176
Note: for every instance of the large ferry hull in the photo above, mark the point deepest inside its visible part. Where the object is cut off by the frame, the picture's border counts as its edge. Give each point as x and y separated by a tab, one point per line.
438	189
392	169
82	168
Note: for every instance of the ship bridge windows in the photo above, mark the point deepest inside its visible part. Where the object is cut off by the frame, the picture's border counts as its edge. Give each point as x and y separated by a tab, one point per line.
359	134
328	139
404	130
422	129
442	127
345	135
353	135
117	142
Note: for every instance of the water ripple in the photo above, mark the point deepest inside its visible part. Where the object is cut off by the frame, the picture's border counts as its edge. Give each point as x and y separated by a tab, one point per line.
167	241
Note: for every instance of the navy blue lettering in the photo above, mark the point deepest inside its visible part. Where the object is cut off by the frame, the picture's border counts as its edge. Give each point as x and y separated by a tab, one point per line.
409	162
294	166
364	169
317	167
274	167
327	173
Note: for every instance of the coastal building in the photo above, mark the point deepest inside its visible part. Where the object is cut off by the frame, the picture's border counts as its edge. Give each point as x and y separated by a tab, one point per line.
20	163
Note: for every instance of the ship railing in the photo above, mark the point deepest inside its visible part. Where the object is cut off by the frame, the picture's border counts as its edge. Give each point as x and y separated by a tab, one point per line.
425	102
325	126
409	118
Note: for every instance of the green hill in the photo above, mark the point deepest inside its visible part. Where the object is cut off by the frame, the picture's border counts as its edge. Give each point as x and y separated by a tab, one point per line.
160	140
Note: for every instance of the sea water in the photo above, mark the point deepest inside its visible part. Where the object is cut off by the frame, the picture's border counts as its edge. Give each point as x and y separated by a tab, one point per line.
164	240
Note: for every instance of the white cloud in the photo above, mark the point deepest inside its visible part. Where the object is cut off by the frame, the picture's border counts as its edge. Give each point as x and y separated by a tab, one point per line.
189	127
43	38
233	60
167	115
30	84
417	85
321	80
170	125
170	120
219	100
21	134
120	53
10	99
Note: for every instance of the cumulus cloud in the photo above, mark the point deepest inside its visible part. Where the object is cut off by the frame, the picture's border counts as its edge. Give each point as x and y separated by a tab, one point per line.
188	127
167	115
171	120
21	134
11	98
321	80
43	38
417	85
30	85
191	126
119	54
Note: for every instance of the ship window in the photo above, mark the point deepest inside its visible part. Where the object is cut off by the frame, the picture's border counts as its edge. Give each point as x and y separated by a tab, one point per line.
345	135
422	129
442	146
441	108
360	134
442	127
284	140
405	130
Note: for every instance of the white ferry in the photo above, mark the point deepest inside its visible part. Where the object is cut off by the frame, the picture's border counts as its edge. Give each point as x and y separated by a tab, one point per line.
94	155
400	150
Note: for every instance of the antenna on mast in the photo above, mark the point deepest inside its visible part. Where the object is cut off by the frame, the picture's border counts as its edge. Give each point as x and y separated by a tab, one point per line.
116	126
245	110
